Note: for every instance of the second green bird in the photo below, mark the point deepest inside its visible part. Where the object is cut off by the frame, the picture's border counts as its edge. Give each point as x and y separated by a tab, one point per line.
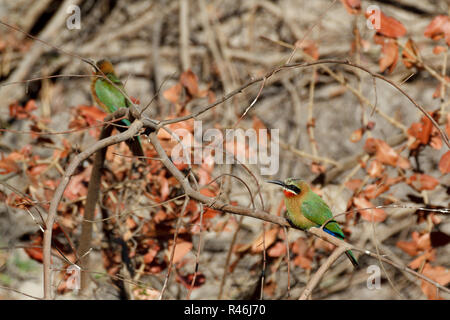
110	98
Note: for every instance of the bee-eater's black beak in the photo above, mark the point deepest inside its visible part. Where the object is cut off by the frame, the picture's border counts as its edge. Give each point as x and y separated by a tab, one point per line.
278	182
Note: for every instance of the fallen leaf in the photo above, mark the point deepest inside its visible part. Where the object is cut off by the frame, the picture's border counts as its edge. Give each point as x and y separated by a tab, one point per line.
410	247
356	135
353	184
424	242
439	49
270	237
375	168
429	255
309	47
444	163
151	254
173	93
372	191
8	165
190	81
389	56
385	153
181	249
421	130
439	28
303	262
35	254
389	27
439	274
91	113
277	250
422	182
352	6
375	215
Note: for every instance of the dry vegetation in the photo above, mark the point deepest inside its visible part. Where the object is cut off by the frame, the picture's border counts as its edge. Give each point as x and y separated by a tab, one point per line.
362	115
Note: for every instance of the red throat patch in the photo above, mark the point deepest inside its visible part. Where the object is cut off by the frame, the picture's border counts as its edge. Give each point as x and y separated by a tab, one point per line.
289	194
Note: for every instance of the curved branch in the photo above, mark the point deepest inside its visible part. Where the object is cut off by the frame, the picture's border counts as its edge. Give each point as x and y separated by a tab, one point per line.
57	196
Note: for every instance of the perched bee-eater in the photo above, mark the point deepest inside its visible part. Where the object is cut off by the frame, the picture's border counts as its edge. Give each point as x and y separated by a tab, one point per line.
110	98
306	209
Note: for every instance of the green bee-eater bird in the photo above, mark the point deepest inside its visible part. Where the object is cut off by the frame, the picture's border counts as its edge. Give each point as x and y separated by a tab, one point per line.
306	209
110	98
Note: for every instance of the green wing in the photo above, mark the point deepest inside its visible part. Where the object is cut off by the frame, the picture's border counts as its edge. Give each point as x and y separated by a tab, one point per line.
112	99
316	210
110	96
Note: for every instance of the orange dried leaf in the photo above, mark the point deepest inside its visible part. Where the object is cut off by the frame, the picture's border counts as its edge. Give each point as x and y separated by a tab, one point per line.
173	93
390	55
410	247
422	182
352	6
439	49
389	27
375	215
277	250
420	260
303	262
372	191
385	154
190	81
181	249
356	135
270	237
309	47
8	165
439	274
444	163
91	113
375	168
151	254
354	184
439	28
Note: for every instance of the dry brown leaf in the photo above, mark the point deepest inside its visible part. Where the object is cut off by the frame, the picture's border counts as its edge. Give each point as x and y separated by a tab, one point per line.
376	215
385	154
439	28
181	249
352	6
375	168
190	81
389	27
303	262
422	182
173	93
277	250
410	247
270	237
356	135
389	56
444	163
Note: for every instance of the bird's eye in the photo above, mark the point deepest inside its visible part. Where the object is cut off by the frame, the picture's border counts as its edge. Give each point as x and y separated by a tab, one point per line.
294	188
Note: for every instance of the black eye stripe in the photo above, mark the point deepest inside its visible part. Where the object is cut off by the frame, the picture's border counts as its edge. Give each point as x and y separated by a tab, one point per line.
294	188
